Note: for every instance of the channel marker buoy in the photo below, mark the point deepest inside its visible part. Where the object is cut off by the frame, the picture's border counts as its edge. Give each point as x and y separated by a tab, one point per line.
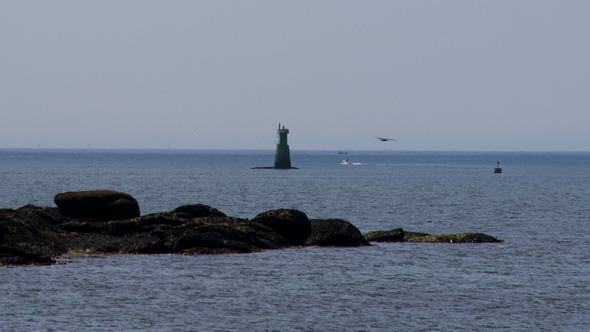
497	169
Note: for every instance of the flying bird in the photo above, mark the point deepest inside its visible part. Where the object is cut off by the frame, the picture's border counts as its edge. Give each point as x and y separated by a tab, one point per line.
385	139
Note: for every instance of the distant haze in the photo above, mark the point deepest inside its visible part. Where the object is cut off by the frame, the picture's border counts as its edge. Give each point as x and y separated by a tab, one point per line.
434	75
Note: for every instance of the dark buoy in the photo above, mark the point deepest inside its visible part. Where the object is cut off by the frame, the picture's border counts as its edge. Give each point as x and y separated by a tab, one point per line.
497	169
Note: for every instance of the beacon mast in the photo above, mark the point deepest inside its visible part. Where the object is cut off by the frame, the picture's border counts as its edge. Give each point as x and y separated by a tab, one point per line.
282	156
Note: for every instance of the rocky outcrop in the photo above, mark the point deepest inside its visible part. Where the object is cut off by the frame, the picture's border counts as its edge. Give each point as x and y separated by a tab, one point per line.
29	235
35	235
16	256
188	228
335	232
293	225
399	235
97	204
32	234
456	238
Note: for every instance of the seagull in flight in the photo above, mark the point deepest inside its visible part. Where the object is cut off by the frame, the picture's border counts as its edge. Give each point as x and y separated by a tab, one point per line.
385	139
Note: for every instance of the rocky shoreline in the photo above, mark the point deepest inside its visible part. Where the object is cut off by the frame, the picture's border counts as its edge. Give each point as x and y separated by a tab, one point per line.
38	235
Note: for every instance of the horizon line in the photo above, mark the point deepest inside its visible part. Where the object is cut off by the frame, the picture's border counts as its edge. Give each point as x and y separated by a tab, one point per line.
292	150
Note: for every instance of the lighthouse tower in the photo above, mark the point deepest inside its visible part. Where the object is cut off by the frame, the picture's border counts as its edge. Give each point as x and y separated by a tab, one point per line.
282	156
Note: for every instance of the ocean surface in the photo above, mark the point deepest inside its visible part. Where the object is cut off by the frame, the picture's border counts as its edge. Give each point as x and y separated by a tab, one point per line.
537	280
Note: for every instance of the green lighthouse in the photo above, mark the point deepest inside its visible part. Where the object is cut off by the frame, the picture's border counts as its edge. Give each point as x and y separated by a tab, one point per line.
282	156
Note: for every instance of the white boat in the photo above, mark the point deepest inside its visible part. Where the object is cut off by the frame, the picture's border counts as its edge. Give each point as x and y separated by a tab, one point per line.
348	162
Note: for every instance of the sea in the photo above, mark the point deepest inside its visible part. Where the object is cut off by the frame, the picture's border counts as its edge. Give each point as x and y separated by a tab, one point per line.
538	279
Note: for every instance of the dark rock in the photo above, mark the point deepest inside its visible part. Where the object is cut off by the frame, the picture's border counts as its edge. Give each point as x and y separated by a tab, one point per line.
196	211
31	231
214	236
14	260
456	238
33	235
146	244
97	204
160	219
394	235
262	236
212	240
187	229
399	235
17	256
335	232
240	237
292	225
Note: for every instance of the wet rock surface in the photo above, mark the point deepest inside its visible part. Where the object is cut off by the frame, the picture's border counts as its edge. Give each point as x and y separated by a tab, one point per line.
394	235
37	235
399	235
335	233
32	234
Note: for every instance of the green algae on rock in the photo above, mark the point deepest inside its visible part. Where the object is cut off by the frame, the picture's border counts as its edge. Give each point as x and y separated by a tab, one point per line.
394	235
399	235
456	238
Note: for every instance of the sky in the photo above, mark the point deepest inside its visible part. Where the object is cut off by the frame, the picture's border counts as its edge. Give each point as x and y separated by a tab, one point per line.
435	75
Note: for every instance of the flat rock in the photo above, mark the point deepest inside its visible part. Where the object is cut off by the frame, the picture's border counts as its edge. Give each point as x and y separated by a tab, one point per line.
394	235
455	238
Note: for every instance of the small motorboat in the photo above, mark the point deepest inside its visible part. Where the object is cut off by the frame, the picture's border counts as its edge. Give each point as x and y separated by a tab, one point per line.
348	162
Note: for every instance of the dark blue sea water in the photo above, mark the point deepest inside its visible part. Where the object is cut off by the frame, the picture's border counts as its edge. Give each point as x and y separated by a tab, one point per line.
538	279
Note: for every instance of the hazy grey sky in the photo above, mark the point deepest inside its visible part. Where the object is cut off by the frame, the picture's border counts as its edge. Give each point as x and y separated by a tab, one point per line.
436	75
